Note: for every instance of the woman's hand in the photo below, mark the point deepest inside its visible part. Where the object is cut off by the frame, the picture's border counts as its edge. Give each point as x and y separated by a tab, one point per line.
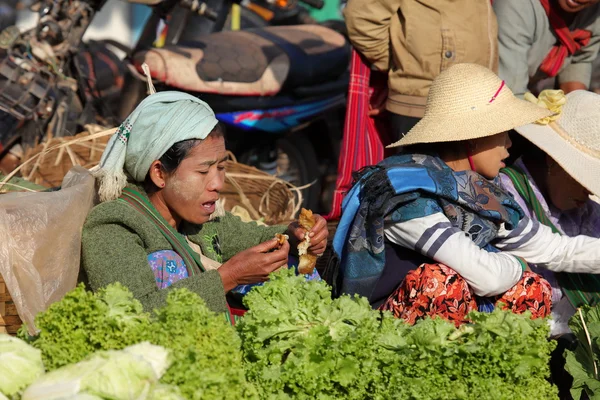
254	264
377	102
318	236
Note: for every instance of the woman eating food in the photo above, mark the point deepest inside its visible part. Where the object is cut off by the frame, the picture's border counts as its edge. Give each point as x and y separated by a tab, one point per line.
552	181
431	232
159	225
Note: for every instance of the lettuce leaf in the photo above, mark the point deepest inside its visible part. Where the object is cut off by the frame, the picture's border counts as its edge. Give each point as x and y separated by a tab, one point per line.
583	363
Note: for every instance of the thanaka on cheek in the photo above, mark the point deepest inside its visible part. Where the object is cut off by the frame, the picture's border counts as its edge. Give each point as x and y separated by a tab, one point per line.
184	188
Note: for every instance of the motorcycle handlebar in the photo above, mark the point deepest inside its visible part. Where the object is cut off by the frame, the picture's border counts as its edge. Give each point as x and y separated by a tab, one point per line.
210	14
318	4
200	8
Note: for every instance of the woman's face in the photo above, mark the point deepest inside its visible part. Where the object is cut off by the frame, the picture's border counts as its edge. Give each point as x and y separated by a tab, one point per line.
192	190
565	193
489	153
573	6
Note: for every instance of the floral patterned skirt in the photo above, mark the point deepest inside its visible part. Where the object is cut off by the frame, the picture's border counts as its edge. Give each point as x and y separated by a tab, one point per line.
435	289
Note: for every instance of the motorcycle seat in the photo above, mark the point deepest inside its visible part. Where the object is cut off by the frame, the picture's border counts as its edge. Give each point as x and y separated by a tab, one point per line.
256	62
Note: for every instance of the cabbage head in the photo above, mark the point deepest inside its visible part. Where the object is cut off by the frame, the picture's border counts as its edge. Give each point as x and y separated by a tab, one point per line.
20	365
127	374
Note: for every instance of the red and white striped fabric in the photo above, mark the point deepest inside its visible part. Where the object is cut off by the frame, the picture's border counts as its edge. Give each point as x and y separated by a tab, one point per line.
364	137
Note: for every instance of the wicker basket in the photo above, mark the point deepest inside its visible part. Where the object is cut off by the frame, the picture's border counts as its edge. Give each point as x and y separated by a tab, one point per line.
48	163
9	319
264	196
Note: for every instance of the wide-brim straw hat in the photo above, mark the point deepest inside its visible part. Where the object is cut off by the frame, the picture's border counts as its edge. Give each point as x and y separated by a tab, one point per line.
468	101
573	140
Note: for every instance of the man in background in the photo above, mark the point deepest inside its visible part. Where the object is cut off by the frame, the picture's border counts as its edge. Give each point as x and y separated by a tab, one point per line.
540	39
413	41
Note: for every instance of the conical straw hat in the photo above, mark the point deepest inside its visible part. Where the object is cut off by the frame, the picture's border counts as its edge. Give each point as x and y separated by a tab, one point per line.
573	140
468	101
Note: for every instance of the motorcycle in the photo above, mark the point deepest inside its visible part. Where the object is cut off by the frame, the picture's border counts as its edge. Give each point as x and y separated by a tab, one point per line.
237	15
280	90
52	84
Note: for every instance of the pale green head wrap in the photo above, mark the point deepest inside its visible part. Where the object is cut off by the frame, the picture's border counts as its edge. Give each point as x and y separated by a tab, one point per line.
160	121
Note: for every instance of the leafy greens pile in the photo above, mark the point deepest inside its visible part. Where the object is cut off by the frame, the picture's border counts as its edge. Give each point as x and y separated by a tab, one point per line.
296	342
205	349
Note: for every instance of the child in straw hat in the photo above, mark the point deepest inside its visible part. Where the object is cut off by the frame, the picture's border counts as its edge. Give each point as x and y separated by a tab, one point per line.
431	232
552	182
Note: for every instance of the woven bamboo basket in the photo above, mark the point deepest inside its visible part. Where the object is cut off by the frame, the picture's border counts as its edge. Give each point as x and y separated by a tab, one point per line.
9	318
48	163
264	196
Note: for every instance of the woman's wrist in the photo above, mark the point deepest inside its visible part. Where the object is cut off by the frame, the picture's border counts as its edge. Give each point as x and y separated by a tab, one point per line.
228	279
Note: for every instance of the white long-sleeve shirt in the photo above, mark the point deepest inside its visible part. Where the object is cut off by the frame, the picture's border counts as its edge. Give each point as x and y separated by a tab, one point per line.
491	274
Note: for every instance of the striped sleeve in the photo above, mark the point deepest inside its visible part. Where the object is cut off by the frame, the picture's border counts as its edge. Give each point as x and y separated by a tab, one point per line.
488	274
537	244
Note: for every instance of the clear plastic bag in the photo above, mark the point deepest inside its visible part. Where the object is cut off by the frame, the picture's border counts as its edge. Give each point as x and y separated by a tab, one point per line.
40	242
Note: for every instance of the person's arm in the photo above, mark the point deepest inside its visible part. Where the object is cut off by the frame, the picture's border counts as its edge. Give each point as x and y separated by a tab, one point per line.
488	274
578	74
516	27
112	253
368	23
537	244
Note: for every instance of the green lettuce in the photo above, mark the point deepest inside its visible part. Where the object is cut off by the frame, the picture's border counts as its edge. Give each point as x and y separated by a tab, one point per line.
298	343
206	355
500	355
83	323
207	360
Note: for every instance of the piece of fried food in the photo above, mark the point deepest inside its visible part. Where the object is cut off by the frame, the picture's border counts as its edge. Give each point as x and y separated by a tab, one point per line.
306	219
307	264
307	261
281	238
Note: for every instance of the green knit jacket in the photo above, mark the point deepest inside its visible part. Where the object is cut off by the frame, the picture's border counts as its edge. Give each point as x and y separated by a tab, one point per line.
117	240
